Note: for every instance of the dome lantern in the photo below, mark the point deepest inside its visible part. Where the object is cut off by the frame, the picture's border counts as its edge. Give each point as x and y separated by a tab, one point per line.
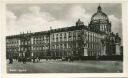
99	8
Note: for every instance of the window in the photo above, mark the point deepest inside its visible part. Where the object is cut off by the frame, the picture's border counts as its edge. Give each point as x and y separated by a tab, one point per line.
70	35
65	46
74	36
60	36
52	46
56	37
64	36
61	45
55	46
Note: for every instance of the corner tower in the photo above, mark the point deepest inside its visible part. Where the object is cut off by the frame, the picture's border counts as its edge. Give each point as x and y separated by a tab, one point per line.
100	22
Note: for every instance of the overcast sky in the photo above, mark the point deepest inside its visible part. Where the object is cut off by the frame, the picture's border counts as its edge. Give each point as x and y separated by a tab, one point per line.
39	17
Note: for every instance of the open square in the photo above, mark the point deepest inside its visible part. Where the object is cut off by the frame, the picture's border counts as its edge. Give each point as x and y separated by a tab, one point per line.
53	66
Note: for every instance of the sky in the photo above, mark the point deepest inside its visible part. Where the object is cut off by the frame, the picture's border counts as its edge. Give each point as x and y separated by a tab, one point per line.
40	17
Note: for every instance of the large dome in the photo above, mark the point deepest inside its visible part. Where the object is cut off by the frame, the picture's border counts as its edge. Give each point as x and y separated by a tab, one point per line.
99	15
100	22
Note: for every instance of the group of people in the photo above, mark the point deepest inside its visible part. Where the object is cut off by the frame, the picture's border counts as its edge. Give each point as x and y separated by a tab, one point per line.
37	59
69	59
24	60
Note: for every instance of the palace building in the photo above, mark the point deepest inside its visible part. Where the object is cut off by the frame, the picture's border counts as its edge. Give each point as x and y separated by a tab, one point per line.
96	39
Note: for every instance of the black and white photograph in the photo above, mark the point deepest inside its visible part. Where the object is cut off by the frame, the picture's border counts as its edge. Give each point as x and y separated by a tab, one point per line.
64	38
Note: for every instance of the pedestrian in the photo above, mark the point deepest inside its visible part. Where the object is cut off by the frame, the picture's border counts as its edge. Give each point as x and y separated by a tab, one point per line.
10	61
33	60
68	59
46	58
24	60
71	58
39	59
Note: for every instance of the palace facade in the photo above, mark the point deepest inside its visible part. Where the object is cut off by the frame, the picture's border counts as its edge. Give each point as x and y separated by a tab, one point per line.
96	39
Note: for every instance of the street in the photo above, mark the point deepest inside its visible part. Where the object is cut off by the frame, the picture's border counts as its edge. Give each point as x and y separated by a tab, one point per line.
53	66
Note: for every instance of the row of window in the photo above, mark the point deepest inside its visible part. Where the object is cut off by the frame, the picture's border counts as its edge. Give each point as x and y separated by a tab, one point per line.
12	42
93	46
39	47
13	49
91	37
12	45
40	41
62	46
41	38
56	46
65	36
93	53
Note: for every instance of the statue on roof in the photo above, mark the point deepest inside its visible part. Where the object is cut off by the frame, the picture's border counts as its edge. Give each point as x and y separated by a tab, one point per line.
79	23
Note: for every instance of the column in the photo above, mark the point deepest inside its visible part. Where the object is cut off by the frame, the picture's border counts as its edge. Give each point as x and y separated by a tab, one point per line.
31	40
117	49
103	50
